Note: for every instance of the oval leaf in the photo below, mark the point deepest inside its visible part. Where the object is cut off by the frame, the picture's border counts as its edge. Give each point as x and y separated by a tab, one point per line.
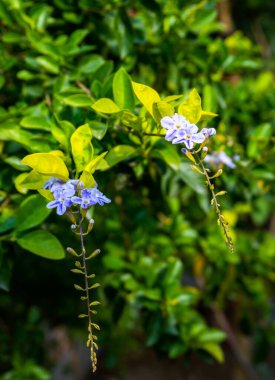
42	243
191	107
47	164
122	90
146	95
82	148
31	212
105	105
78	100
119	153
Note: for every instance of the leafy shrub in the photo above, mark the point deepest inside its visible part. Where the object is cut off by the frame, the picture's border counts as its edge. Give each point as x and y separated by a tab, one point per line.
164	260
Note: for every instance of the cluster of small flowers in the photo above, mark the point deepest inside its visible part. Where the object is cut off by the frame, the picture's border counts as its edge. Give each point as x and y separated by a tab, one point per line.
179	130
220	158
72	192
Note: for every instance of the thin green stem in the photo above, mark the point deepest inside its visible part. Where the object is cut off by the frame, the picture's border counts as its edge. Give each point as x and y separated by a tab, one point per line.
221	220
90	330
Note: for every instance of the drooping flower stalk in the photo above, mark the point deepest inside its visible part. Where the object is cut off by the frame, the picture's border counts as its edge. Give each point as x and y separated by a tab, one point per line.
180	130
72	198
90	342
221	220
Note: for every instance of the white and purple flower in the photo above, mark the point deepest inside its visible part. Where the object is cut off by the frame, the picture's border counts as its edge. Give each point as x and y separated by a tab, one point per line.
189	136
173	125
179	130
220	158
67	194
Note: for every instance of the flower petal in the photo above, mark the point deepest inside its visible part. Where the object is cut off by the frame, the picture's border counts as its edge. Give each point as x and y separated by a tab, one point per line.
188	143
198	137
167	123
52	204
170	134
61	209
76	200
193	128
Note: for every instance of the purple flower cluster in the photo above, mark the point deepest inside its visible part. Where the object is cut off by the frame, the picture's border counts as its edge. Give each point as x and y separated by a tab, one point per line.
220	158
179	130
67	194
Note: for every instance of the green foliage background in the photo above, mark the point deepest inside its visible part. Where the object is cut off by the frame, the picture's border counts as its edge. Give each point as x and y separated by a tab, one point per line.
164	267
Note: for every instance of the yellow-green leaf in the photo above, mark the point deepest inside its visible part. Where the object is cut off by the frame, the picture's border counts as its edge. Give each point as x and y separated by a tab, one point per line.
93	164
190	108
46	194
82	148
47	164
120	153
171	98
214	350
18	183
32	180
206	115
105	105
161	109
87	179
146	95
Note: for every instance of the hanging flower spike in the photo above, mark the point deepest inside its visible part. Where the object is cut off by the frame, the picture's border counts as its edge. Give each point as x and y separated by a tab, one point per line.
180	130
72	195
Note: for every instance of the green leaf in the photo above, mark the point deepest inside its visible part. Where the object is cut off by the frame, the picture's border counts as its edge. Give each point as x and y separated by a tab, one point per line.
105	105
32	181
191	107
206	115
161	109
146	95
15	162
78	100
48	64
167	153
87	179
47	164
10	131
93	164
31	212
62	132
82	148
212	336
120	153
35	122
214	350
42	243
98	129
122	90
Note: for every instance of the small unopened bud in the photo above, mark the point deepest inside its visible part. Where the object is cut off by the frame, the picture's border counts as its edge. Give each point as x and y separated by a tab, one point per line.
204	152
72	251
73	226
184	150
211	131
91	221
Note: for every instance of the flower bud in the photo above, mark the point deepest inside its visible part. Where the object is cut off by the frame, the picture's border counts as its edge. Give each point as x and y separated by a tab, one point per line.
211	131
